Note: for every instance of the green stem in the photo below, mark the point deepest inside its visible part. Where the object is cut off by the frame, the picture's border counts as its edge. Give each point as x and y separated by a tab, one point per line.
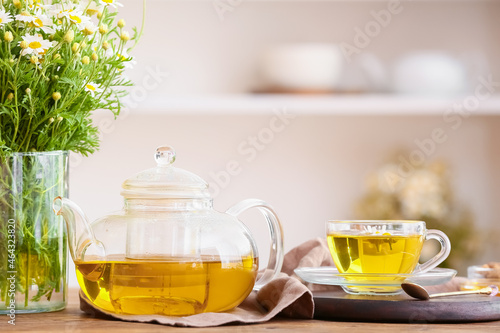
28	136
27	282
137	38
108	82
15	100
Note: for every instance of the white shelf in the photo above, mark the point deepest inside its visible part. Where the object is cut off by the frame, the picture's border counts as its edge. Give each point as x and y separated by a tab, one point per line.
361	104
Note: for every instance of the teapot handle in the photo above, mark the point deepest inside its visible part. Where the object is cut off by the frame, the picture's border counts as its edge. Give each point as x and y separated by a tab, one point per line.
276	253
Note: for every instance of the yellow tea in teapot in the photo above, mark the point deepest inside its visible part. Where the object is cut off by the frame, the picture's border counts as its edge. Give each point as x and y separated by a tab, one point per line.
379	253
175	287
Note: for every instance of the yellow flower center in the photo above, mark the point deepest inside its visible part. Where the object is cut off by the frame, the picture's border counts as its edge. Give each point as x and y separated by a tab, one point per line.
108	1
1	20
75	18
25	13
35	45
90	87
37	22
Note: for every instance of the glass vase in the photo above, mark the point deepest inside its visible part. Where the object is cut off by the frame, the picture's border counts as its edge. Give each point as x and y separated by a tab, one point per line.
33	244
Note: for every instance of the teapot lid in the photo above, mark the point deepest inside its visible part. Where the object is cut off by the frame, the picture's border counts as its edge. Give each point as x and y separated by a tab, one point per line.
165	181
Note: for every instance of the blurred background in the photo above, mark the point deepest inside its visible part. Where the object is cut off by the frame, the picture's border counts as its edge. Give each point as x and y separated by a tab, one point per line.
328	110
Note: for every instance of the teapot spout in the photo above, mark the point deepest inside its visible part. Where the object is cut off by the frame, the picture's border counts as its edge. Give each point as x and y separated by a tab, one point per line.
81	238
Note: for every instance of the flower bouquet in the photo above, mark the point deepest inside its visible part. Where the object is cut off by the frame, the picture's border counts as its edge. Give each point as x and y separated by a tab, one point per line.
59	61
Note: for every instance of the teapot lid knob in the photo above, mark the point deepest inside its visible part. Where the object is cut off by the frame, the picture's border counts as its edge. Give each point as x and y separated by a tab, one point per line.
165	181
165	155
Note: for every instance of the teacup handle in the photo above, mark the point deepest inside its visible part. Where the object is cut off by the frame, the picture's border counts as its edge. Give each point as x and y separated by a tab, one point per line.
444	241
276	254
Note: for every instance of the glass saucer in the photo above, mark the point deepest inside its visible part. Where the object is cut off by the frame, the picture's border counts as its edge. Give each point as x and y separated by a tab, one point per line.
372	284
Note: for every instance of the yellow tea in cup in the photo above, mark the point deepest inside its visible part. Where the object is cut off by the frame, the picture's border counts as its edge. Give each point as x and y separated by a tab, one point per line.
387	254
378	251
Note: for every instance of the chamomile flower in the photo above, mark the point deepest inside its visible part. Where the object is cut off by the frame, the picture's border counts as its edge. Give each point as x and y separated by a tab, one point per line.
5	17
90	8
112	3
24	17
89	29
127	63
37	20
108	50
92	88
70	13
43	23
77	17
62	7
376	230
61	12
36	45
8	36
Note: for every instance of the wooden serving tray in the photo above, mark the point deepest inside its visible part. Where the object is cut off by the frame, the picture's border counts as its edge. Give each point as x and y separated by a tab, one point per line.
337	305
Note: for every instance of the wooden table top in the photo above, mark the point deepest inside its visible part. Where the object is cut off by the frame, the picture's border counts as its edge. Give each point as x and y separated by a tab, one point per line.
73	320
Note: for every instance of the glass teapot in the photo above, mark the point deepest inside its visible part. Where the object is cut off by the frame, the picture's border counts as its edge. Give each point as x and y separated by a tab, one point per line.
168	251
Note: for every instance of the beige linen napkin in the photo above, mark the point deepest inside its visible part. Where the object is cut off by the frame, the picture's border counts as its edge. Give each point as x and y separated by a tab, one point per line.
284	296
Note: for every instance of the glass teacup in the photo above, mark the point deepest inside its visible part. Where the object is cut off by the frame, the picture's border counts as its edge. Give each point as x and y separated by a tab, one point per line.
378	252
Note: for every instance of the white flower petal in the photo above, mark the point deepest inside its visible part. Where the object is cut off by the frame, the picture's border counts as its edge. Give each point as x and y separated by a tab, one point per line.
5	17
